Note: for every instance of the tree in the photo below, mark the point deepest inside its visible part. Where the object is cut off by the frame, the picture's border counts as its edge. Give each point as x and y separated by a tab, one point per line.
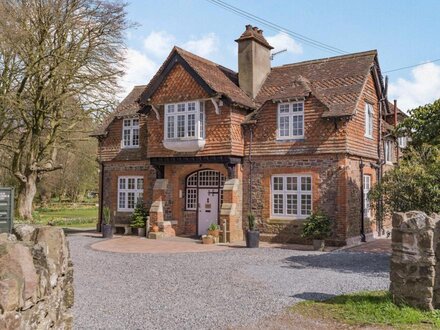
423	125
414	184
59	61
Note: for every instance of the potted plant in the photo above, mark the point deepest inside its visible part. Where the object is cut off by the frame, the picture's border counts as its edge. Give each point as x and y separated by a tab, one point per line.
252	234
317	227
107	228
139	218
214	230
207	239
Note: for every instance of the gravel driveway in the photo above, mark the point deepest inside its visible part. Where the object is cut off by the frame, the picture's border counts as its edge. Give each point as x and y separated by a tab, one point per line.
209	289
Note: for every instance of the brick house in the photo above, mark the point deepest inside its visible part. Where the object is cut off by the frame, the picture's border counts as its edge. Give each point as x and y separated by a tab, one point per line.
202	144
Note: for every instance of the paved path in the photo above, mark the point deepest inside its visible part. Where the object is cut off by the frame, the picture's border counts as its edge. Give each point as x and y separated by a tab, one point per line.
220	289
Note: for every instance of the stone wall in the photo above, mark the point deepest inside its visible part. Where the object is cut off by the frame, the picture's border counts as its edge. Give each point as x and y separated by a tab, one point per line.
36	279
415	261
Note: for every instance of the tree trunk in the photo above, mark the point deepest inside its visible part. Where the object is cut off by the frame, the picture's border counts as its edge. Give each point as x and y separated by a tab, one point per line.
26	196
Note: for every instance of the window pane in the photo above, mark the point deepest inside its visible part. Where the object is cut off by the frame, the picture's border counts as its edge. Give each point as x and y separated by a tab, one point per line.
306	204
306	183
191	198
292	183
192	106
135	122
140	183
181	126
284	126
127	122
292	204
297	107
192	125
170	108
170	127
284	108
122	200
130	183
297	125
278	204
135	141
121	183
181	107
202	120
130	200
126	137
277	183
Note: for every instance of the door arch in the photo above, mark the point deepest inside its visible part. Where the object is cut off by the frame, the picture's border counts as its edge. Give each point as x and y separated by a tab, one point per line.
204	194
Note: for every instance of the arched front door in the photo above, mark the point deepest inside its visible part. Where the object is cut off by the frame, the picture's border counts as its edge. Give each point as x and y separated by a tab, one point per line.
204	195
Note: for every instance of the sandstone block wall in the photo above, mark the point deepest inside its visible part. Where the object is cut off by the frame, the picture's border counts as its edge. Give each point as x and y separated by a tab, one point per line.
415	261
36	279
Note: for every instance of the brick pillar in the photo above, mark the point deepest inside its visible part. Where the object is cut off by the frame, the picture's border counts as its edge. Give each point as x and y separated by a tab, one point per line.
413	261
157	216
231	210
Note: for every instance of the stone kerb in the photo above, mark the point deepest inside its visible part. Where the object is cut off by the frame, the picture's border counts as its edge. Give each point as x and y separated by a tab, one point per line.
413	260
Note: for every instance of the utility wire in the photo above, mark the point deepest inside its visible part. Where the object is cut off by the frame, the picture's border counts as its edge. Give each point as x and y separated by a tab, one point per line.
276	27
411	66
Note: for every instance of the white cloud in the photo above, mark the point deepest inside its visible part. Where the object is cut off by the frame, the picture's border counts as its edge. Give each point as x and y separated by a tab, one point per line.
138	71
283	41
423	87
205	46
159	43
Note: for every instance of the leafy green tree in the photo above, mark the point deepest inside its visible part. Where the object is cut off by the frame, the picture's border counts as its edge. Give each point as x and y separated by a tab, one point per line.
414	184
423	125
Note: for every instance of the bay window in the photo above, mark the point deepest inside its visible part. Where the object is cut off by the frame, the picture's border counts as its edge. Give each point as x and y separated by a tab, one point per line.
291	196
184	121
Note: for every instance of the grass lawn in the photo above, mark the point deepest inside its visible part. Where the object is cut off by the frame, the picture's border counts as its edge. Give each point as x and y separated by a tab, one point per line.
369	308
78	217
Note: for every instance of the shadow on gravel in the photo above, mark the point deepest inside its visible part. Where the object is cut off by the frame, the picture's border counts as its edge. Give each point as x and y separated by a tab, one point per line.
344	262
315	296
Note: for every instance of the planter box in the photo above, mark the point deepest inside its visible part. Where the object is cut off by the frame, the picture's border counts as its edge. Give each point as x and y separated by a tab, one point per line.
252	238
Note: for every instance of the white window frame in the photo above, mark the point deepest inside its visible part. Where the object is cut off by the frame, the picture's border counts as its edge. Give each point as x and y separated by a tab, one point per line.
367	188
172	113
369	111
403	142
125	190
131	128
298	192
388	151
289	111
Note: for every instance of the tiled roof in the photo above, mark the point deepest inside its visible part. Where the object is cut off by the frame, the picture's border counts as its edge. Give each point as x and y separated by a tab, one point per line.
256	34
128	106
220	79
336	81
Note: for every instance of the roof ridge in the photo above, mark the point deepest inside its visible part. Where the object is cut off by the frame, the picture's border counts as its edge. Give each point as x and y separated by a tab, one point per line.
202	59
332	58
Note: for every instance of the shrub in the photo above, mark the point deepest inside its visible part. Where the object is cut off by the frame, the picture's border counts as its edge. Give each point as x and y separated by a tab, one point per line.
317	226
106	214
139	216
214	226
251	222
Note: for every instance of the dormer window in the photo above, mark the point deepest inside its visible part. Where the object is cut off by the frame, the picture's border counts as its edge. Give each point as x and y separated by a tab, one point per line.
290	121
130	133
184	126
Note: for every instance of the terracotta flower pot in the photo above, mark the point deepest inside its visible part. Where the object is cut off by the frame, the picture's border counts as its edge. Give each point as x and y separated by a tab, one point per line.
207	240
155	228
215	232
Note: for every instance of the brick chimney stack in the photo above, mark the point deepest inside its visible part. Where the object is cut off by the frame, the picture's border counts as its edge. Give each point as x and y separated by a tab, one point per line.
253	60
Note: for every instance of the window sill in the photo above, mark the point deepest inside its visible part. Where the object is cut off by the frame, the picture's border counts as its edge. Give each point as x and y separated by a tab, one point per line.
369	137
280	221
185	144
125	210
290	139
389	163
130	147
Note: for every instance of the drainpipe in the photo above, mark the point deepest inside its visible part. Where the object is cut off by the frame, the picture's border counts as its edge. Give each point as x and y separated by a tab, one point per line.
361	167
250	167
395	126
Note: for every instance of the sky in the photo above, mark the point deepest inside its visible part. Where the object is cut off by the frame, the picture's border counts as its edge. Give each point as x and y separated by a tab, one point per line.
405	32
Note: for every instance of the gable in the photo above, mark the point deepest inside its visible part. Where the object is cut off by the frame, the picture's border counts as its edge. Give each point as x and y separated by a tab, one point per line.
177	86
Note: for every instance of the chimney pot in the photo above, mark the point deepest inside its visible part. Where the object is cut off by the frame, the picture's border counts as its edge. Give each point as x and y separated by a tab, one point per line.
260	31
255	28
248	27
